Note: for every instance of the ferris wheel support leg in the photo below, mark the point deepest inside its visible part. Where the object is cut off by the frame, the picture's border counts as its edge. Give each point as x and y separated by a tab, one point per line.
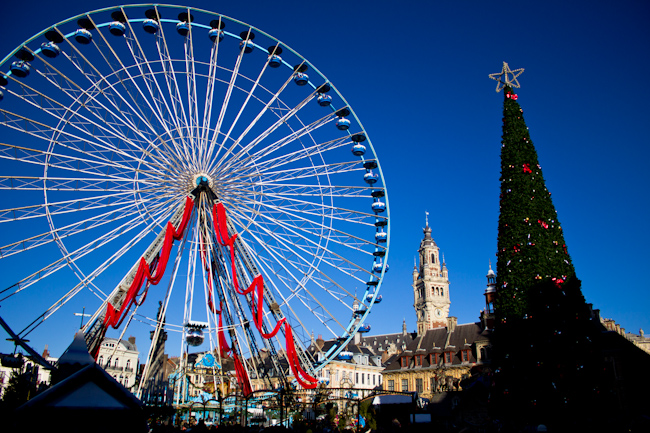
94	331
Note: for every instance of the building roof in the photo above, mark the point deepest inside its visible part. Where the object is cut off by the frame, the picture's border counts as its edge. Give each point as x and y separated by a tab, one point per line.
440	340
127	344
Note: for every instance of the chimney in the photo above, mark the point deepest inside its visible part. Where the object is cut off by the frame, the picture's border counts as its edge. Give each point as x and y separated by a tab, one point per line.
320	342
451	324
132	340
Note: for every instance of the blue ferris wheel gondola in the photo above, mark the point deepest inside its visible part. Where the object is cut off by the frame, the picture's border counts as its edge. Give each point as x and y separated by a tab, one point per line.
215	34
358	149
183	28
369	297
150	26
50	49
83	36
370	177
117	28
381	236
377	267
364	329
324	100
378	207
20	68
275	61
301	78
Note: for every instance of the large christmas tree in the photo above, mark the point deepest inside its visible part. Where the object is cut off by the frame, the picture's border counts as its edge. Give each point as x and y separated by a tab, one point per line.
549	368
531	246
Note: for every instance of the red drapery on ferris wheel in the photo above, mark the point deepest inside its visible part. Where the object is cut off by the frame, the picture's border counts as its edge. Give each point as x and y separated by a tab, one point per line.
114	317
256	289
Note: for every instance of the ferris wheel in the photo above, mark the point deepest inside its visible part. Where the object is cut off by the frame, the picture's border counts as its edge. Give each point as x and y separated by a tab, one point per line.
169	168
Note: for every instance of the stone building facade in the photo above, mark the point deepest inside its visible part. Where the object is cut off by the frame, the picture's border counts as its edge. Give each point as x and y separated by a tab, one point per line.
120	359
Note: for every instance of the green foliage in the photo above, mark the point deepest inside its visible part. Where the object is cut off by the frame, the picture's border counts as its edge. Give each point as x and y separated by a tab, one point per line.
367	411
19	389
531	244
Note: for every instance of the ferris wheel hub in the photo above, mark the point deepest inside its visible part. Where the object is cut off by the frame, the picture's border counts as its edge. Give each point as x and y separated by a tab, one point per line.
202	178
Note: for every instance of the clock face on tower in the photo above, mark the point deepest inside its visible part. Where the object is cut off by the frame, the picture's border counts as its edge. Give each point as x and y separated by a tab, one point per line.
438	312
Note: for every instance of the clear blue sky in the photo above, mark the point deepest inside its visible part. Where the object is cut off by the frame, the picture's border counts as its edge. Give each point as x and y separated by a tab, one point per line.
416	74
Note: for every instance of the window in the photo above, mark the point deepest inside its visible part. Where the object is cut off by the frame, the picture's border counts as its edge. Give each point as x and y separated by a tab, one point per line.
356	378
433	258
128	364
117	362
101	360
465	354
405	385
433	384
361	378
373	379
391	385
442	292
447	357
405	361
418	386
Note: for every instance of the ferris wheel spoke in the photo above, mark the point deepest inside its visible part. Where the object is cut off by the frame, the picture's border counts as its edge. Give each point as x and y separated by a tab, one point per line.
209	94
293	217
86	249
289	278
89	166
296	211
178	108
68	206
307	207
101	86
249	94
297	190
80	227
224	108
281	121
291	174
85	145
291	236
108	184
289	284
86	282
255	161
101	130
154	100
192	103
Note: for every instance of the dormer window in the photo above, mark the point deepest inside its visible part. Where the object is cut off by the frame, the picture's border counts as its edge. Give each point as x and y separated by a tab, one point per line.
447	357
404	361
465	355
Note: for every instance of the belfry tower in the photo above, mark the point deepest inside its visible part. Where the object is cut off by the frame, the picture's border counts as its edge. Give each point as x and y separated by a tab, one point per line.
430	286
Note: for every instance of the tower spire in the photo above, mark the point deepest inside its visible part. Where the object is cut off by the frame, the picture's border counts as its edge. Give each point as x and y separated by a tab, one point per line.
430	285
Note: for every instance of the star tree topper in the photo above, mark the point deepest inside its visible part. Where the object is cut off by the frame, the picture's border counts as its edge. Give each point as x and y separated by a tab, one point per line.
510	77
